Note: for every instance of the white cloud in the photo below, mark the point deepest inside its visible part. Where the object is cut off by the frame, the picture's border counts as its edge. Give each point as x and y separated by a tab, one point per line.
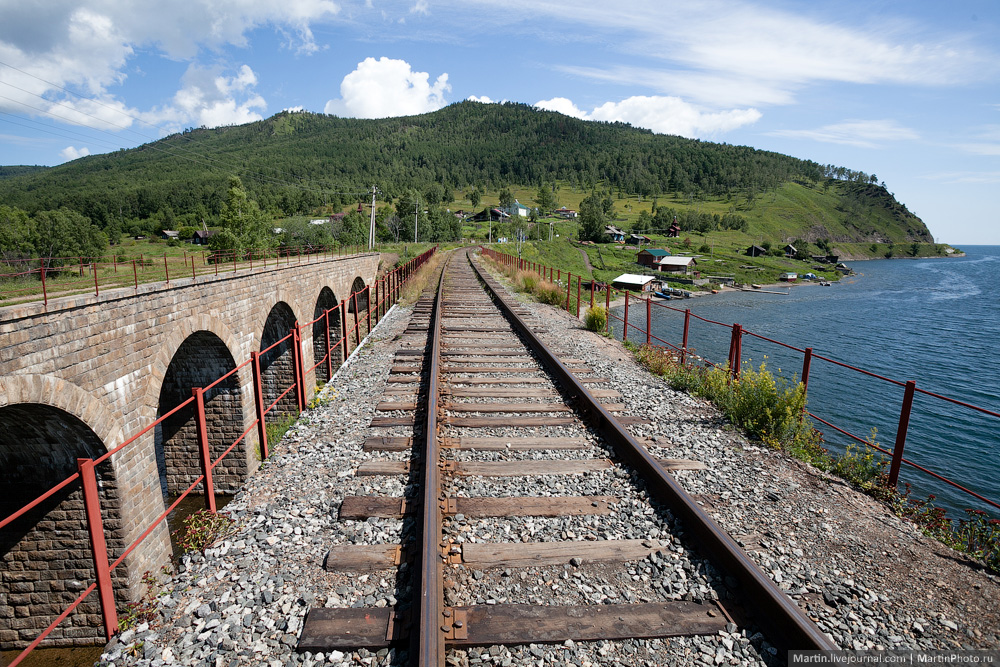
209	98
733	52
385	88
72	153
665	115
975	177
563	106
986	141
860	133
481	99
980	149
420	7
86	45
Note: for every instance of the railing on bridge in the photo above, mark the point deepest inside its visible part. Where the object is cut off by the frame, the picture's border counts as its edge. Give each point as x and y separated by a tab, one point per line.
386	293
683	349
49	277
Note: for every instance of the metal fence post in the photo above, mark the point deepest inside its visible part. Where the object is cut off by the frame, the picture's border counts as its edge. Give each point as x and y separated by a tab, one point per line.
258	395
684	341
343	328
300	376
625	326
649	321
357	326
368	303
98	546
97	288
329	351
806	363
736	351
904	424
206	455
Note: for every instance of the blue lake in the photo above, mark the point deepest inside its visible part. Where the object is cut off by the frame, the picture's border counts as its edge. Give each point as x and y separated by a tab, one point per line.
933	321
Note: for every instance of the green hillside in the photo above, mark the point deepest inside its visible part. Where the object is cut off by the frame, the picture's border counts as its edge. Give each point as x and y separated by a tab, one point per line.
302	164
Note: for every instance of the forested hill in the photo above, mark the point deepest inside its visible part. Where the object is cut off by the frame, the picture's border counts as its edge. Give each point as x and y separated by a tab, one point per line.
295	162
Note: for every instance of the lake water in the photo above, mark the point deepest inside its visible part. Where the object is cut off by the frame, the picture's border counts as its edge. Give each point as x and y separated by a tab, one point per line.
934	321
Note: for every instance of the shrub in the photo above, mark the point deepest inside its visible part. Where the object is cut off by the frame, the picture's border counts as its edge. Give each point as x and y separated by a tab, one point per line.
526	281
202	529
143	610
549	293
596	319
864	468
655	359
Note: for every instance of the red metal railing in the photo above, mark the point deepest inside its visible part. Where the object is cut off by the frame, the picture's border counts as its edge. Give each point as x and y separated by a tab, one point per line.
387	290
49	277
733	363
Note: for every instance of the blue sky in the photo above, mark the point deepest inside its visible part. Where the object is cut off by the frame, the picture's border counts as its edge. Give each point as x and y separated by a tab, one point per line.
909	91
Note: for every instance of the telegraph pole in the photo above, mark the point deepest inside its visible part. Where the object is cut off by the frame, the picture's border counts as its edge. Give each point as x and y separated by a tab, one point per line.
371	228
416	209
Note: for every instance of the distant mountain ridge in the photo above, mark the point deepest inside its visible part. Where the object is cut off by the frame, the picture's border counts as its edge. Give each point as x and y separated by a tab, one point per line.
295	162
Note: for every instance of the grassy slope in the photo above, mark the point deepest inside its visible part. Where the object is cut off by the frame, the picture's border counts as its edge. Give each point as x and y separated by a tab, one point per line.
794	211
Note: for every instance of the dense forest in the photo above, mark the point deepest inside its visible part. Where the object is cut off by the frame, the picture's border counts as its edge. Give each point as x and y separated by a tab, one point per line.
297	162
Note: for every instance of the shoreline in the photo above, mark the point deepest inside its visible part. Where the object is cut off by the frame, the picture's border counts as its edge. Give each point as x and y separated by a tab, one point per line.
764	289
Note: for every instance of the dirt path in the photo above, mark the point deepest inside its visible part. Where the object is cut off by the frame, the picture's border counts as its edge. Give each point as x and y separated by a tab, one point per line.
586	260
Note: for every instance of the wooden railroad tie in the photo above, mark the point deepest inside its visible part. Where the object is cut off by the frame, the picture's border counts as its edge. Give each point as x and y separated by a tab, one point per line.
327	629
518	468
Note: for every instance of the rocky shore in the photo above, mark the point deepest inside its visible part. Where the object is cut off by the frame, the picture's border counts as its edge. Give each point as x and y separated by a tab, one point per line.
869	579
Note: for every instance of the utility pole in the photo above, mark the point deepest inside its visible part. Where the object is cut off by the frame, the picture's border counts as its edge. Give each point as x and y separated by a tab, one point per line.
416	209
490	216
371	228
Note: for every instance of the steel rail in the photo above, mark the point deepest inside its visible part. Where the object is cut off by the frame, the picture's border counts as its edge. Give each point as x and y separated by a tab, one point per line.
428	644
786	625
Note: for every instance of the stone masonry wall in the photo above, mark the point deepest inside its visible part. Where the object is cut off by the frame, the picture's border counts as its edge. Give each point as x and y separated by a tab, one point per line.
103	360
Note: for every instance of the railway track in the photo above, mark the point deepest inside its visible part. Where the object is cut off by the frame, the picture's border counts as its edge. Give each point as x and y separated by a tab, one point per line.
531	516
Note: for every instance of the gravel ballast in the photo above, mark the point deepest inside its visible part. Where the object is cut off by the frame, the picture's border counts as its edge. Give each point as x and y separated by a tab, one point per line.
870	579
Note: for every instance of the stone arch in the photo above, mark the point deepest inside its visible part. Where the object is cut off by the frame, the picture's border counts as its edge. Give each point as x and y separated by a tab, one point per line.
262	312
358	287
200	360
67	397
277	367
178	334
45	558
327	328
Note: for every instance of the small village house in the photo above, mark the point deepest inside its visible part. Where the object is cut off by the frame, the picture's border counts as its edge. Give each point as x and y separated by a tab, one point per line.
634	282
201	236
790	250
616	235
649	256
755	251
517	208
683	265
489	215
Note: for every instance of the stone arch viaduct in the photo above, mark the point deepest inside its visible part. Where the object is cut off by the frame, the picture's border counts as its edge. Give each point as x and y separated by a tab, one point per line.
86	373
